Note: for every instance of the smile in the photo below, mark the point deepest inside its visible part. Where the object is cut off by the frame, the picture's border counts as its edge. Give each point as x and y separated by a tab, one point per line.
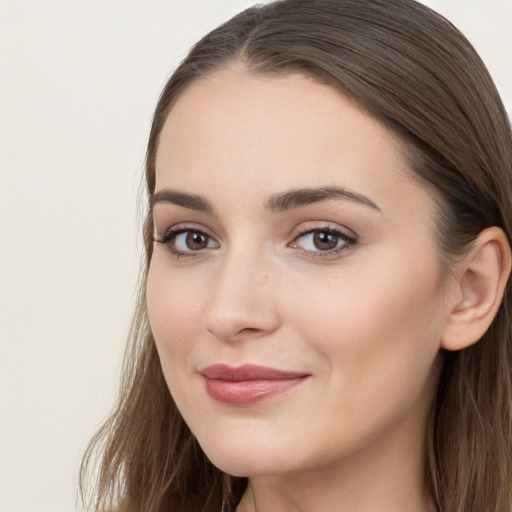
247	384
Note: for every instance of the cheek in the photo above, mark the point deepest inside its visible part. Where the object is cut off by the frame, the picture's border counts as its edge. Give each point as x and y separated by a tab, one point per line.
379	325
174	316
174	312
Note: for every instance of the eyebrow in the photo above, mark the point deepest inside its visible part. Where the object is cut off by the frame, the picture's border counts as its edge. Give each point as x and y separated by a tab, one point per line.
277	203
191	201
304	196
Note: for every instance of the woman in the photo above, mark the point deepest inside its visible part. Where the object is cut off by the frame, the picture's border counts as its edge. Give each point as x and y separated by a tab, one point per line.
324	316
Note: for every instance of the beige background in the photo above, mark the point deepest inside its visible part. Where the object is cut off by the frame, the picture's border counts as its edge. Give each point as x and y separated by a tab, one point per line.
78	82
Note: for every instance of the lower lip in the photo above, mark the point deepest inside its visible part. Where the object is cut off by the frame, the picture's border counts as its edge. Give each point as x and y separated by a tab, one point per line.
248	392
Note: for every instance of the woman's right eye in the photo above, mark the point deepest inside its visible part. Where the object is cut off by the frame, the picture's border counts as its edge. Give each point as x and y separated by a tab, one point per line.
187	242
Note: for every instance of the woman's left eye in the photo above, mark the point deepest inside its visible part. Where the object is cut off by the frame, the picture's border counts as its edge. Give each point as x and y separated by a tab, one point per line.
324	240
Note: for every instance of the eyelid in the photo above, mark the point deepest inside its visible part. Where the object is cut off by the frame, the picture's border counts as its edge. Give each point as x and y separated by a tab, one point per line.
174	231
181	227
348	237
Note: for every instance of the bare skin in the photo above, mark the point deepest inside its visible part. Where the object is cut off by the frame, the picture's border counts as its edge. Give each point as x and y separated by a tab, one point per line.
346	290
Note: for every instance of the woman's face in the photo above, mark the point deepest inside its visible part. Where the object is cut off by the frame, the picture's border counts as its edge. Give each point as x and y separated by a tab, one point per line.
295	291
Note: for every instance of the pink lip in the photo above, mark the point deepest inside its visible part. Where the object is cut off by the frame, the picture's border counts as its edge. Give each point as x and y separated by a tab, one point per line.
247	384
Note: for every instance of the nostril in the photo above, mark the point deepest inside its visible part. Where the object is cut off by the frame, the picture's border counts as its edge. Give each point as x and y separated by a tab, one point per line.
237	309
244	332
248	330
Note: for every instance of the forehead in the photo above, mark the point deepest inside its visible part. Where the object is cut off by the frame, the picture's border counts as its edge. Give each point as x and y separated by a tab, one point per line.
245	134
263	102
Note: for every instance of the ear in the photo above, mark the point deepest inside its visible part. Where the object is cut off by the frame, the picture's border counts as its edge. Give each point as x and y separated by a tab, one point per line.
480	281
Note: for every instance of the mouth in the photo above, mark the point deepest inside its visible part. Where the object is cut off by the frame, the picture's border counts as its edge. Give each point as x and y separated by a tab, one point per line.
248	384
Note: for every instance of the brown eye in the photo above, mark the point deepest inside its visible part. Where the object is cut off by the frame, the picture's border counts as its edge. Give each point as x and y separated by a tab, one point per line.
196	241
187	242
325	240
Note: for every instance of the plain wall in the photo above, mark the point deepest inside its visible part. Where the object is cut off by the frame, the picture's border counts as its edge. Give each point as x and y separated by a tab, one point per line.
78	83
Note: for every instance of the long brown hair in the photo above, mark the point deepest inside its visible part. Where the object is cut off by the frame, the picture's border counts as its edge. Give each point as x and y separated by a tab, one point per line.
416	73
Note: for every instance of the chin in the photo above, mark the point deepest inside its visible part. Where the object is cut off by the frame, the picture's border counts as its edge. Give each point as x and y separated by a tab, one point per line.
244	464
245	456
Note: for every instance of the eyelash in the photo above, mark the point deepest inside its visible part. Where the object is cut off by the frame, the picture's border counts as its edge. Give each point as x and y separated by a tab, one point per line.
170	236
348	241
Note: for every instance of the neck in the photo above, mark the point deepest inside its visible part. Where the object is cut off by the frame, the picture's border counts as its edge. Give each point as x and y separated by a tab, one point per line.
387	480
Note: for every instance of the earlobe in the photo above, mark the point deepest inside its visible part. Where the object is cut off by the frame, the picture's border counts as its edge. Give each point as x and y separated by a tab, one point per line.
481	280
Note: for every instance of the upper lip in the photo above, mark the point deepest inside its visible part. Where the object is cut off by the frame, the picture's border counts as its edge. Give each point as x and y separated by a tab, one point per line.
247	372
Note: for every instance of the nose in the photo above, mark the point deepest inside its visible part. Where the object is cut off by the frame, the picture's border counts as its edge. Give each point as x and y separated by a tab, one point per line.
242	301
